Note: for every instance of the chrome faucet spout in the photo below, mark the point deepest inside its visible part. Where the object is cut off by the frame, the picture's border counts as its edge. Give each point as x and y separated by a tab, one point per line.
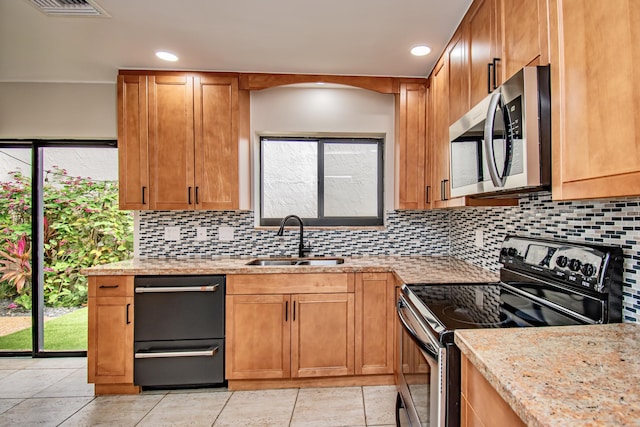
301	248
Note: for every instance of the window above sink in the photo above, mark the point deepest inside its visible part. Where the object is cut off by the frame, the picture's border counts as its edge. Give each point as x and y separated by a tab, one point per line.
325	181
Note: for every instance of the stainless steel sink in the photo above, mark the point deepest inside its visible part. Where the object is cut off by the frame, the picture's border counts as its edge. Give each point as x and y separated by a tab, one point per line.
319	261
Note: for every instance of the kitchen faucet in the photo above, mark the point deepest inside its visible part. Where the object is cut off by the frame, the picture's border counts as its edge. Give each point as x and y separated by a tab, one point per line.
301	248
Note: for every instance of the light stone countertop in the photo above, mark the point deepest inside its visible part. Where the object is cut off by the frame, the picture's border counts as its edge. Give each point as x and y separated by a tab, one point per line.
417	269
562	376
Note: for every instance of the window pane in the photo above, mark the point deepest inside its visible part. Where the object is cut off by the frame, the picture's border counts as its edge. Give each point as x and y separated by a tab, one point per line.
351	179
289	178
83	227
15	228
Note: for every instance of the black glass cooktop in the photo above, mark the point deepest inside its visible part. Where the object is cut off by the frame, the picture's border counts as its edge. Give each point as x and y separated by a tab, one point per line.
449	307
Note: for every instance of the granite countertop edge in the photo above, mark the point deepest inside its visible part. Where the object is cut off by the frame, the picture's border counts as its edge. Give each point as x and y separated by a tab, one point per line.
499	385
561	376
407	269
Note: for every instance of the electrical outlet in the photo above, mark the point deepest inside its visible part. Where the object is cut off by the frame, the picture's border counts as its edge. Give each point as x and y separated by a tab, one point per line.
479	241
201	233
225	233
172	234
479	299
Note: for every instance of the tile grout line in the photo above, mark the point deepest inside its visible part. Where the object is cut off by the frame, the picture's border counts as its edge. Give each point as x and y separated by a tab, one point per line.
295	402
152	408
78	410
223	406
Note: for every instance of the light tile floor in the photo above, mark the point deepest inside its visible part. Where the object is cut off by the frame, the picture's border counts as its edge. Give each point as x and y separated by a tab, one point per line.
54	392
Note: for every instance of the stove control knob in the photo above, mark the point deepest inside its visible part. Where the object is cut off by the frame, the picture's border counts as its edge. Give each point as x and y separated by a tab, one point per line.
562	261
504	251
588	270
512	252
574	265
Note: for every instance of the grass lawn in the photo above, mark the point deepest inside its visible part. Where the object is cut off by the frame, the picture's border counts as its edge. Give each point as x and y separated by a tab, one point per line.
68	332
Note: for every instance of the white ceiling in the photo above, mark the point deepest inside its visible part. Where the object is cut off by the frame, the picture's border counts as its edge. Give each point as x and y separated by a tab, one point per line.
349	37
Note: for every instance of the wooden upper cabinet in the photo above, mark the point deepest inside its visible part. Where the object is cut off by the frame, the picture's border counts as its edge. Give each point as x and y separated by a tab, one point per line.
440	132
458	75
411	146
178	141
171	142
523	34
133	142
216	146
483	48
595	58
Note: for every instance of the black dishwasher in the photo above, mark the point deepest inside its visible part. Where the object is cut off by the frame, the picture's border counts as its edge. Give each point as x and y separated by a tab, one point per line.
179	331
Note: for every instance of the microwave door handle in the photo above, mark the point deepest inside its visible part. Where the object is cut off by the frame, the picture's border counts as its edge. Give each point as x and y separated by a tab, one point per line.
497	180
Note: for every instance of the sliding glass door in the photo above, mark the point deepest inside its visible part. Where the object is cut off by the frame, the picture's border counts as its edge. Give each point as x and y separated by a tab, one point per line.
75	224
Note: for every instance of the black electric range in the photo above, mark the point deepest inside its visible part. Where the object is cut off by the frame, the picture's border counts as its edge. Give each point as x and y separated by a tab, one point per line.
542	283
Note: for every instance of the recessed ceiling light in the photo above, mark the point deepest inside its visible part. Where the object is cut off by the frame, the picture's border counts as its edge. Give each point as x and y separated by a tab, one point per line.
420	50
167	56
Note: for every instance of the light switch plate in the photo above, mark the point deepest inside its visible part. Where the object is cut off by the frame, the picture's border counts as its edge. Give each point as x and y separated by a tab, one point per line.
172	234
479	241
201	233
225	233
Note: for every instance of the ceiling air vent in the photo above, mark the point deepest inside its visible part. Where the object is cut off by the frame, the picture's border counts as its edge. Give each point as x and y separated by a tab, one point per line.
69	7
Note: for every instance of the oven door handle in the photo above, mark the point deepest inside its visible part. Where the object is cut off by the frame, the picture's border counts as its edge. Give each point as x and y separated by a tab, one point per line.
209	352
433	346
167	289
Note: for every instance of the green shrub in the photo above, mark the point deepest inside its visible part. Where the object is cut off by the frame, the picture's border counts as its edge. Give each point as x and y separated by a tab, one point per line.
82	228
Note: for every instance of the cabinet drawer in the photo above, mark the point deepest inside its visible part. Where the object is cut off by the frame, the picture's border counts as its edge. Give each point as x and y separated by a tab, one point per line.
110	286
252	284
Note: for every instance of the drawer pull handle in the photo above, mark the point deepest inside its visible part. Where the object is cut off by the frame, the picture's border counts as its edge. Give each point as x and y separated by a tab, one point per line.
210	352
108	286
167	289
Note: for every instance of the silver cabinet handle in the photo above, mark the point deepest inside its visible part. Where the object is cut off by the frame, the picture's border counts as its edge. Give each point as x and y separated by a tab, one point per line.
155	290
210	352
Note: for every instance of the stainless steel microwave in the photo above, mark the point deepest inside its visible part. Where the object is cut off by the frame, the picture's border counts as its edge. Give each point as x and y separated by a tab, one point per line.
503	144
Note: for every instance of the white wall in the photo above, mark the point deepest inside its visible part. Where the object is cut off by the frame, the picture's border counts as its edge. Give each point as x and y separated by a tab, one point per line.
323	111
58	110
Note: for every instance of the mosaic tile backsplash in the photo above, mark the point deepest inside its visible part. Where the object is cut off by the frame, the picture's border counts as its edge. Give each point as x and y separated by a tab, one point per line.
437	232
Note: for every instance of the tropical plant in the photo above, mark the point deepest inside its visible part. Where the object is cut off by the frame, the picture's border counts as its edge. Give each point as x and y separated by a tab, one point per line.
83	227
15	265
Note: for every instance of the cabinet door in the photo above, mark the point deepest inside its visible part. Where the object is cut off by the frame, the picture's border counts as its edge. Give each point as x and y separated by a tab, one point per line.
171	161
322	335
110	340
524	30
440	132
216	143
375	320
483	36
412	146
595	98
458	76
132	142
258	336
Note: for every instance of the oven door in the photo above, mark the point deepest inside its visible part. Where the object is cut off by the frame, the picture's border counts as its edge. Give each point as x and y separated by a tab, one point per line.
422	371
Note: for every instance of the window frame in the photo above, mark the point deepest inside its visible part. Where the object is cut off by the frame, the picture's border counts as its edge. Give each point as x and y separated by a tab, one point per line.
321	220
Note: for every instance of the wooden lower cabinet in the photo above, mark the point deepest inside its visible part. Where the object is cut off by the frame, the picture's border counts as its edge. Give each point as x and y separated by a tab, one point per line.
258	337
480	403
283	336
329	329
375	323
110	334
